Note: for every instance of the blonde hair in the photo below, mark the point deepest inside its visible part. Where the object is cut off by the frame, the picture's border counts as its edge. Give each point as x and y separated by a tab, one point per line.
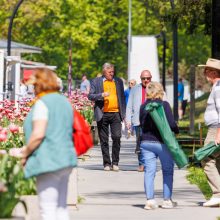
154	91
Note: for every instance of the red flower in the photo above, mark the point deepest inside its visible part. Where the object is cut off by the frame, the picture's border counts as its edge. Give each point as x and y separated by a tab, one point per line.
13	128
3	137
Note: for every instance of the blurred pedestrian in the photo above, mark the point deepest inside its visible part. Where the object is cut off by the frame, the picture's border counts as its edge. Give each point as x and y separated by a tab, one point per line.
152	147
136	98
180	98
108	93
211	165
131	84
49	152
23	90
85	84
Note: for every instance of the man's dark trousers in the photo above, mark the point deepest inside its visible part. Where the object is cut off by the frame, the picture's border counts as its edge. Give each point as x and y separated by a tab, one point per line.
113	119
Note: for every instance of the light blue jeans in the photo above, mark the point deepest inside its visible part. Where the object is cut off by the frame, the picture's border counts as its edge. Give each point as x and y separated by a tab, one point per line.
150	151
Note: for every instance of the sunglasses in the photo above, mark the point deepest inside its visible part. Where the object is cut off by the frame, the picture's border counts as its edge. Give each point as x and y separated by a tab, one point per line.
146	78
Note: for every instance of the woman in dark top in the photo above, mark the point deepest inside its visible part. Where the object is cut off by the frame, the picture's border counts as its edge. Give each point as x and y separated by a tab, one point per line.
153	147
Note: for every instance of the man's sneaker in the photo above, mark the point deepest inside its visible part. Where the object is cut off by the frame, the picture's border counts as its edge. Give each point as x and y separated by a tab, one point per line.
151	204
115	168
212	202
168	204
107	168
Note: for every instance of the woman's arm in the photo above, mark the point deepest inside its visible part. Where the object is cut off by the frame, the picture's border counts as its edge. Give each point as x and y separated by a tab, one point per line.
37	136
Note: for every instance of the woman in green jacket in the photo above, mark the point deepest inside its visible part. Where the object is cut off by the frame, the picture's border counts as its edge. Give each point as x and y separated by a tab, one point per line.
49	152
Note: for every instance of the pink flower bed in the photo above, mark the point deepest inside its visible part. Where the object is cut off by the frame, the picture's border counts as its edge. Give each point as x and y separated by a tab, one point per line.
13	114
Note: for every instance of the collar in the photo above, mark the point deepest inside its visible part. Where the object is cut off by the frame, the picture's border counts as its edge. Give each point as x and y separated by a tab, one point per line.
32	102
104	79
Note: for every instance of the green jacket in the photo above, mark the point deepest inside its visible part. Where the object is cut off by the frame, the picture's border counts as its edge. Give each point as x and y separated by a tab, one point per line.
56	151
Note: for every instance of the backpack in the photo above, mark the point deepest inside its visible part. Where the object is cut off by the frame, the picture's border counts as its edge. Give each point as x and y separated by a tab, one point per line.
82	137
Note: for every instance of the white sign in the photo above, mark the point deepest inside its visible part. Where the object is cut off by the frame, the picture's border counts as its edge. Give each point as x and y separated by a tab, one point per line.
144	56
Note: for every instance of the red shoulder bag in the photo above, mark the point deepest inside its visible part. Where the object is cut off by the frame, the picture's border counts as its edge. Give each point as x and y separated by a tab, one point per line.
82	137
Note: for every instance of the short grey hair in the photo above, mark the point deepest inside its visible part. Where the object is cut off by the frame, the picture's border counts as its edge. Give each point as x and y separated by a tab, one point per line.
107	66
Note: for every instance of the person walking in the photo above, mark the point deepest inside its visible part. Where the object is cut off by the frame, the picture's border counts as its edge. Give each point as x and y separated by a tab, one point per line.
85	84
108	93
49	153
131	84
136	98
180	98
211	165
153	147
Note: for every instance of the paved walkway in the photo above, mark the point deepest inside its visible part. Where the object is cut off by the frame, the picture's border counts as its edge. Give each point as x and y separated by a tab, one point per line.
120	195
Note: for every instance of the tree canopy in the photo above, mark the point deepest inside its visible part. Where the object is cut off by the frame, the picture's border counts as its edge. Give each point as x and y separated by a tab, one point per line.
99	29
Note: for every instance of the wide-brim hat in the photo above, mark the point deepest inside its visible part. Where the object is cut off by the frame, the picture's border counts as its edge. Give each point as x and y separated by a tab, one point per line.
211	63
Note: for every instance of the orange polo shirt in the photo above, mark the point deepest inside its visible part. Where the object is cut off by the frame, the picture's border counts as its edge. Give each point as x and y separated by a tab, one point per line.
111	101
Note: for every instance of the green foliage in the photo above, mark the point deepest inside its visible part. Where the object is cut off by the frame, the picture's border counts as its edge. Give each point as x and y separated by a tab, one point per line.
14	140
10	175
99	30
197	176
88	114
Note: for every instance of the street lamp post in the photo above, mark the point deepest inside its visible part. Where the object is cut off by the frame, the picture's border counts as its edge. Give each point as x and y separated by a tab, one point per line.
11	24
70	69
129	37
9	38
175	64
164	61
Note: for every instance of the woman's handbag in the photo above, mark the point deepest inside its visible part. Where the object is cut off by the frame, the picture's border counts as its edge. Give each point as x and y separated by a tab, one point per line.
157	113
207	150
82	137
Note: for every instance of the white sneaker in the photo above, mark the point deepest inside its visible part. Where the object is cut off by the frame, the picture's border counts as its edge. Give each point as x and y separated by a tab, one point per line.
168	204
151	204
212	202
115	168
107	168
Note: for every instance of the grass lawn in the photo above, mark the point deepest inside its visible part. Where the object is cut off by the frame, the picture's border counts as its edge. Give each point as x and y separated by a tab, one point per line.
197	176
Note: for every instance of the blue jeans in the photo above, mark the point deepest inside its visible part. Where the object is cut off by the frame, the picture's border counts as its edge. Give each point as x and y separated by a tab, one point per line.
149	153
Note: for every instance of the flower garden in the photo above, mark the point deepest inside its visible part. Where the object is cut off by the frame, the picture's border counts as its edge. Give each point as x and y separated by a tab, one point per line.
12	115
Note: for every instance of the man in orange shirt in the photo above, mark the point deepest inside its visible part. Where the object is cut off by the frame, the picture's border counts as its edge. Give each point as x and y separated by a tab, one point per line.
108	93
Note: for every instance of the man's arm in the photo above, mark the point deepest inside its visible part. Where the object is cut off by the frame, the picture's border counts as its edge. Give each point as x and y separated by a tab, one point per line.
123	99
93	95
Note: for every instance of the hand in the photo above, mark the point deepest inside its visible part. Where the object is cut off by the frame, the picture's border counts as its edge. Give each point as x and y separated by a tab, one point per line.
25	154
128	125
23	161
105	94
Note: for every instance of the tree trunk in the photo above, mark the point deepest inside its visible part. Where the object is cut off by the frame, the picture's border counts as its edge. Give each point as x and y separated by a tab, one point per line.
216	29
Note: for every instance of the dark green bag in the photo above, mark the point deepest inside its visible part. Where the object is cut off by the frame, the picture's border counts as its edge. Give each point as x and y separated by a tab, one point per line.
206	151
157	113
